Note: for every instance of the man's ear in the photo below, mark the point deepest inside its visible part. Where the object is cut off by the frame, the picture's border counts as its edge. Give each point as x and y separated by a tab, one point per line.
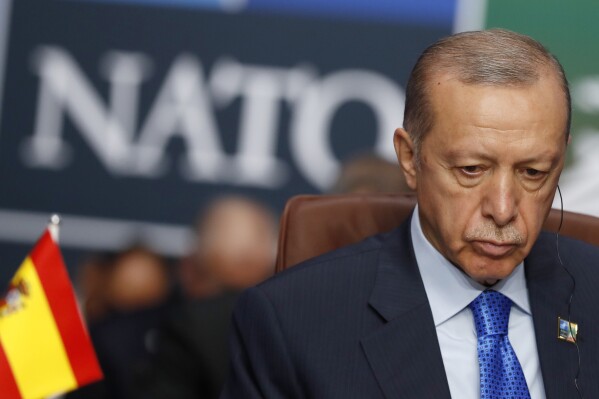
404	149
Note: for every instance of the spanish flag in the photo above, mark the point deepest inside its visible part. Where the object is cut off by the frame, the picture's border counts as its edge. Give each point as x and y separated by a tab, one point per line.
44	346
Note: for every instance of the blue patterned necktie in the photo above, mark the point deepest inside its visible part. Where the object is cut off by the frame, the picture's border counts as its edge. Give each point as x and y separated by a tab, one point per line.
501	376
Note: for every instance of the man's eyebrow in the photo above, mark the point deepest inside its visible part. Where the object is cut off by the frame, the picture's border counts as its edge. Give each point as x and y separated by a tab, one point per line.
545	157
457	154
460	153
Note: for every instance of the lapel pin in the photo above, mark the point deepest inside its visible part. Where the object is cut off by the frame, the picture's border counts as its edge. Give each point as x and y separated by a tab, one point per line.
567	330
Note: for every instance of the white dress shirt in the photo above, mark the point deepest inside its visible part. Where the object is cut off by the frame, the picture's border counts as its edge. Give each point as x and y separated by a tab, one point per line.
449	292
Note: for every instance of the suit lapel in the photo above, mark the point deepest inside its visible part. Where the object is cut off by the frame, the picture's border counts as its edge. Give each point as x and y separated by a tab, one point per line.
549	288
404	353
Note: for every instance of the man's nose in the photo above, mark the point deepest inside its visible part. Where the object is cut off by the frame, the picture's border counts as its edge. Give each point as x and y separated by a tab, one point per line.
500	201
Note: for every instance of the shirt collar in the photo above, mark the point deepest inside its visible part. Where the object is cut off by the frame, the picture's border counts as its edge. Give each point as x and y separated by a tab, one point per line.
448	289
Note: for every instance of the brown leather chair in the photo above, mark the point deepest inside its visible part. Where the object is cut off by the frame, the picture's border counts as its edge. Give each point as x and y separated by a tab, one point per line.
314	224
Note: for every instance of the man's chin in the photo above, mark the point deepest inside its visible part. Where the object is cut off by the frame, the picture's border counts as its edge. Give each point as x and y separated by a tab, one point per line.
488	280
490	271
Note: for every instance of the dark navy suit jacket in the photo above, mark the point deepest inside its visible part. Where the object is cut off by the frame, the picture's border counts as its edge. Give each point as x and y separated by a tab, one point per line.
356	323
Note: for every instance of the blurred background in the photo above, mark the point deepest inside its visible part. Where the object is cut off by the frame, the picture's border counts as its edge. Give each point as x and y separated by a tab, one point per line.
170	133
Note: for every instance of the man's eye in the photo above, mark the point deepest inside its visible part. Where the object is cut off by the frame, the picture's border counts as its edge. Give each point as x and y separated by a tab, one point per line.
471	170
534	173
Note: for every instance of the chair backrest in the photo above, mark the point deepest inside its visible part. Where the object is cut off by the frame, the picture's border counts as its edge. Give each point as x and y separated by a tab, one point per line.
314	224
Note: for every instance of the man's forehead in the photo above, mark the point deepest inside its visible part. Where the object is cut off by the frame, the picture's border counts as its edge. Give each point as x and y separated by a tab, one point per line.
448	86
487	118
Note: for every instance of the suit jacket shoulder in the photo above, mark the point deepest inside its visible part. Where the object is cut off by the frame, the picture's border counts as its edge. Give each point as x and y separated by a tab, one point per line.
330	272
340	325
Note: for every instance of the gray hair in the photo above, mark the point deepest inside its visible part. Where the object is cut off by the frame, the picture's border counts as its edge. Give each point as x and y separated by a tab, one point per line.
495	57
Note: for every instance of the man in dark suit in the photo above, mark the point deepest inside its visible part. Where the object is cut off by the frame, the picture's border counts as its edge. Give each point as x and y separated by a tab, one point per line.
463	299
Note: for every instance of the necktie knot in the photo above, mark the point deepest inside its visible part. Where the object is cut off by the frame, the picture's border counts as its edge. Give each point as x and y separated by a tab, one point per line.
491	311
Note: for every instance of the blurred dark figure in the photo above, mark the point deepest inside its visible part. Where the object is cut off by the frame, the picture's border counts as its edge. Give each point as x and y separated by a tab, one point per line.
92	276
235	249
136	291
194	282
369	173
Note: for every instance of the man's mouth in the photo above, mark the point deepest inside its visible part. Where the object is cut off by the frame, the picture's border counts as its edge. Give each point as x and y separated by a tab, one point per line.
494	249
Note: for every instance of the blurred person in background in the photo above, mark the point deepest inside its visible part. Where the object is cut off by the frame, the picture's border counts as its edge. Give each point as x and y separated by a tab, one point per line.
193	281
136	292
139	279
235	249
236	243
369	173
92	276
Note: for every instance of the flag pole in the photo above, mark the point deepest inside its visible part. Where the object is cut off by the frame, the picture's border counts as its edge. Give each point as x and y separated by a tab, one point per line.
54	227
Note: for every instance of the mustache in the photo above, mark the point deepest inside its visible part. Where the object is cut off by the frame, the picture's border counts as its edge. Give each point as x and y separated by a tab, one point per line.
489	231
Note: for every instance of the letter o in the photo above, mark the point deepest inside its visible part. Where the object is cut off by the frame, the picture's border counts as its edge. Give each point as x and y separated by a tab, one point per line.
314	111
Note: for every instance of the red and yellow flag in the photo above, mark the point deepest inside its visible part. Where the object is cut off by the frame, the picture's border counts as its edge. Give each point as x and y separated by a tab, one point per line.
44	346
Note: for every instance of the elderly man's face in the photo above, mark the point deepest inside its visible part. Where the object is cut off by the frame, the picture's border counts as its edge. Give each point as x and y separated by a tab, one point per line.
488	172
